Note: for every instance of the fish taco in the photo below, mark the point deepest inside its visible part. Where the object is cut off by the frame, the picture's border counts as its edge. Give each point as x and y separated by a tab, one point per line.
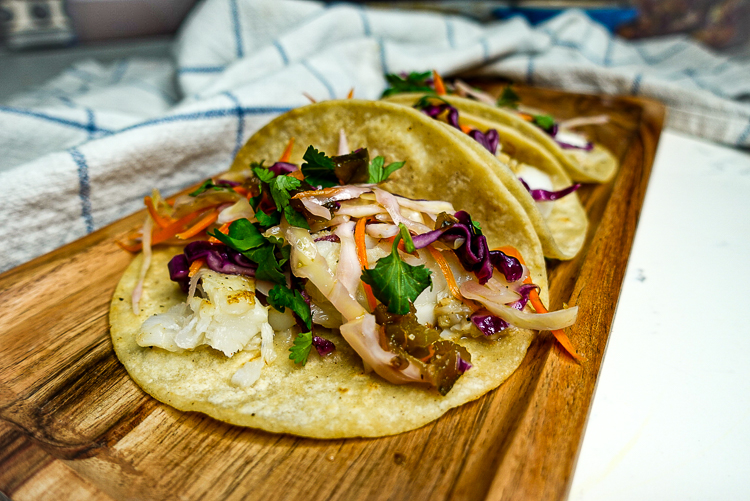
308	296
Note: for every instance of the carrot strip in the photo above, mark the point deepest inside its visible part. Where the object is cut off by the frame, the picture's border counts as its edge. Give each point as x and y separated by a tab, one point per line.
359	239
452	285
129	247
201	225
224	229
325	192
431	354
195	266
170	231
351	94
287	151
536	302
439	85
465	128
158	219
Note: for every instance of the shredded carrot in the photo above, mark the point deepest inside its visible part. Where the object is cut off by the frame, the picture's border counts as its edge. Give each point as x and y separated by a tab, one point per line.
129	247
240	190
195	266
223	229
351	94
465	128
163	222
526	116
452	285
325	192
201	225
287	151
170	231
536	302
297	174
430	355
439	85
359	239
308	96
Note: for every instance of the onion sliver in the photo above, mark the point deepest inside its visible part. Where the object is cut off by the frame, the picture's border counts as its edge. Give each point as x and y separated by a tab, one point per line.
538	321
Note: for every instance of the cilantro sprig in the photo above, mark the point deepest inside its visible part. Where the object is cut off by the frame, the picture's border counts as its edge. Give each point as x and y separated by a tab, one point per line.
413	82
377	172
546	122
300	350
508	99
318	169
208	184
282	297
395	282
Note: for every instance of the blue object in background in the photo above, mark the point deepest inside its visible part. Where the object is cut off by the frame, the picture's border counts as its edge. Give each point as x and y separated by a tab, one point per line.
610	17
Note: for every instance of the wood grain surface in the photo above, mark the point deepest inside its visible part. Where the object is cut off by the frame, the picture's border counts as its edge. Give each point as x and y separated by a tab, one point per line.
74	426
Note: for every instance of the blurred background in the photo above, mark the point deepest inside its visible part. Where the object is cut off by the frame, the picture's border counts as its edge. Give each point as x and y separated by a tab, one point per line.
39	38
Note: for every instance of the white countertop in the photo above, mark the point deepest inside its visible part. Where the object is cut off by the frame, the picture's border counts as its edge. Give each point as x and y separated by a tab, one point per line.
671	413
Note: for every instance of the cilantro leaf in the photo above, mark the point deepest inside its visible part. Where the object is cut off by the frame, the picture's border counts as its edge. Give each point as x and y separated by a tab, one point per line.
545	122
477	227
280	188
268	220
318	169
262	173
269	267
208	184
413	82
300	350
408	242
395	282
242	236
378	173
282	297
509	98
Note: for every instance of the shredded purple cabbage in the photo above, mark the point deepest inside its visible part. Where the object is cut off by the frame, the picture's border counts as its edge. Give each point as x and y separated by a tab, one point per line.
463	365
218	257
280	168
589	145
329	238
549	196
490	140
488	324
433	110
474	254
525	291
226	182
323	346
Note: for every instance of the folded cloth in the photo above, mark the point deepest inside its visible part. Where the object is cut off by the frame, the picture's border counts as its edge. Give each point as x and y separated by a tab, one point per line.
84	149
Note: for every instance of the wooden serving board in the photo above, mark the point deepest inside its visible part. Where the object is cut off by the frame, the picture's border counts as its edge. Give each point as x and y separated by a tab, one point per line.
74	426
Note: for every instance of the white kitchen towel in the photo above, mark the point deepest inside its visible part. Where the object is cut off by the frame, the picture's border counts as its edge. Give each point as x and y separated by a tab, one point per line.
83	150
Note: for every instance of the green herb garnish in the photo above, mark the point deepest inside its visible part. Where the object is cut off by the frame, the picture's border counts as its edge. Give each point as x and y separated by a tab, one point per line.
300	350
242	236
396	283
208	184
282	297
280	187
508	99
546	122
318	169
378	173
413	82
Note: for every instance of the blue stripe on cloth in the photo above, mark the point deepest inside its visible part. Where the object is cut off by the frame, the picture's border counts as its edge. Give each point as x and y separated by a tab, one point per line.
120	69
383	59
450	33
743	137
608	52
49	118
636	87
485	49
84	188
666	54
91	126
316	74
209	114
201	69
530	70
240	122
237	28
366	28
282	52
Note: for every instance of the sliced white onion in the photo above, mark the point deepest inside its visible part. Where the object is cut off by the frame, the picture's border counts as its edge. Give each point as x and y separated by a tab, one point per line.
348	270
316	208
358	210
343	143
146	241
381	230
463	89
581	121
239	210
391	205
322	225
426	206
539	321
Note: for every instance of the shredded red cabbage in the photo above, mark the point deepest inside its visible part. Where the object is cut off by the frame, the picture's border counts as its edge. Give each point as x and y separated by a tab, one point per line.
490	140
323	346
433	110
218	257
281	168
226	182
525	291
328	238
487	323
463	365
549	196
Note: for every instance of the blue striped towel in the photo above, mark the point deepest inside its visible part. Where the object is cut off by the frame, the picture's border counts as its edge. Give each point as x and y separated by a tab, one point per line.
84	149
